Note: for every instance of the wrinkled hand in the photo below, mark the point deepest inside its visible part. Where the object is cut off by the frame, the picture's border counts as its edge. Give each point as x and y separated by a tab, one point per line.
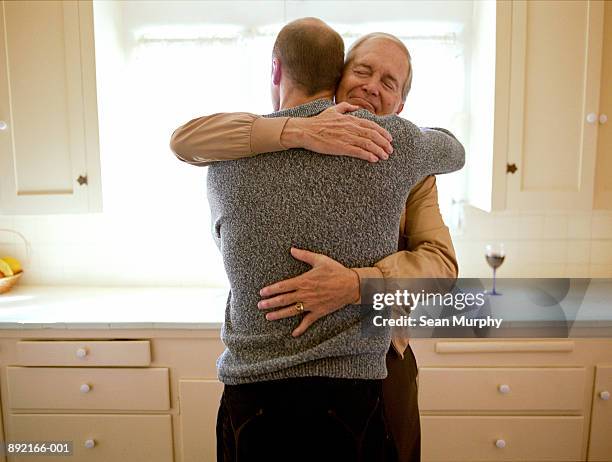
336	133
324	289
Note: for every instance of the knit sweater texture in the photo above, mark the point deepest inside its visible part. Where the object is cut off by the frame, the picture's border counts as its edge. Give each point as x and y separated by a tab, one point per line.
342	207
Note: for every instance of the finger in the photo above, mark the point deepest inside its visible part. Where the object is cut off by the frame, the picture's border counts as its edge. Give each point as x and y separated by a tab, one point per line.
371	131
282	313
368	146
304	255
278	301
359	153
374	126
280	287
345	107
377	138
307	321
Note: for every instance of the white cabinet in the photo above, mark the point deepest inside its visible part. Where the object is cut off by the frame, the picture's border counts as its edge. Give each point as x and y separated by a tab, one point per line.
554	99
603	177
153	395
600	444
514	399
545	107
49	153
108	411
199	405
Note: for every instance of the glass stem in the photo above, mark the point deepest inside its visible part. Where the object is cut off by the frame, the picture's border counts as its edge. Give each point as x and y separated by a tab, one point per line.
494	271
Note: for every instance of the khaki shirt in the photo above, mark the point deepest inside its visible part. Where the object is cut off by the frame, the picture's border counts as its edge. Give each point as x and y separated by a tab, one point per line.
425	248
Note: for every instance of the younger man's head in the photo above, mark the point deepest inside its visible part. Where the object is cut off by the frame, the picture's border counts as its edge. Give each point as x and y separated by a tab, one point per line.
307	58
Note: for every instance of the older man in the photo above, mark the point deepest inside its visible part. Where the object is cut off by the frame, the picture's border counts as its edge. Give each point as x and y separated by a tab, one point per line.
377	77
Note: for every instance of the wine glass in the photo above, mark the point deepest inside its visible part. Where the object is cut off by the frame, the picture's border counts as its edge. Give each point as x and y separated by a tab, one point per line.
495	255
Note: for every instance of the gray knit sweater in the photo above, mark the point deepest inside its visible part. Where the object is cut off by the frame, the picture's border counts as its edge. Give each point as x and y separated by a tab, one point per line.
345	208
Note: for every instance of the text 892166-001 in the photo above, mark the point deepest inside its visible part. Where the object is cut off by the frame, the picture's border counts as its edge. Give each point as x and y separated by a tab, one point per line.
41	448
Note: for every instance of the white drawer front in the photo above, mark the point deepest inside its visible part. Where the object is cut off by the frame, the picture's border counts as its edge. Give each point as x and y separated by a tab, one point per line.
501	389
120	438
84	353
473	439
88	388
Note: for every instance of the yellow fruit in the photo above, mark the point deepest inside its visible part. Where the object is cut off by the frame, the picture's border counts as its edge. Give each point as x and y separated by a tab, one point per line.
5	269
14	264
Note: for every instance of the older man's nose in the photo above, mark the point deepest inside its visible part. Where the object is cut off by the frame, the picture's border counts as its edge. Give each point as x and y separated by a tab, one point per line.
371	89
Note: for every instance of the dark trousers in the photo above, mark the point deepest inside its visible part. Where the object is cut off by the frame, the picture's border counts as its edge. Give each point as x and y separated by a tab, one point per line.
401	405
316	419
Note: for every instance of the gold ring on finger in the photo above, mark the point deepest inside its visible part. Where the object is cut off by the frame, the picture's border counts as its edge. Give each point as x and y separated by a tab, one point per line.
299	306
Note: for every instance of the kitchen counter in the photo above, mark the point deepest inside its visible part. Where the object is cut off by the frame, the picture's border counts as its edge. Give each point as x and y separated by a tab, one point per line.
585	311
75	307
534	308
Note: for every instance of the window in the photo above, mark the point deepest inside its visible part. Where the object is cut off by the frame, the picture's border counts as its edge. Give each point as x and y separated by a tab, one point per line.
186	59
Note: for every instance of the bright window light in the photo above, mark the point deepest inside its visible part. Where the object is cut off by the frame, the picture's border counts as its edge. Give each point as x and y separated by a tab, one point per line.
172	74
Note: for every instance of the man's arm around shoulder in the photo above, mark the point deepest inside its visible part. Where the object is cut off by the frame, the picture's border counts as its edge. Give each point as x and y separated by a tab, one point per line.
226	136
230	136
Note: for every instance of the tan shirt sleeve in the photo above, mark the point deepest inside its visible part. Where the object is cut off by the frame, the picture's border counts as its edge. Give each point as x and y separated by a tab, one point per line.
226	136
425	245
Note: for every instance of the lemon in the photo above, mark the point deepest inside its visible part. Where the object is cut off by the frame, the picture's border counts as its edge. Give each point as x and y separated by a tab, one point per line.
14	264
5	269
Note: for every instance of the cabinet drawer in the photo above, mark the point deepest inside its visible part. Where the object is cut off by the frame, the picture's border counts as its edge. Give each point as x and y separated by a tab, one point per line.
501	389
525	438
84	353
88	388
114	437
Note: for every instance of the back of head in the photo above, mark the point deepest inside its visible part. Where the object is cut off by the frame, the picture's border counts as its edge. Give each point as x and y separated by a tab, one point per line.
311	54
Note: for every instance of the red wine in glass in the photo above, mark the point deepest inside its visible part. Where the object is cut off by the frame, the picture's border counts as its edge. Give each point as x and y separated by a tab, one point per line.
495	255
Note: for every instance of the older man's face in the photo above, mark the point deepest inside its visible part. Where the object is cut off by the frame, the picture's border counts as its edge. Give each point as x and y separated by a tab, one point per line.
375	78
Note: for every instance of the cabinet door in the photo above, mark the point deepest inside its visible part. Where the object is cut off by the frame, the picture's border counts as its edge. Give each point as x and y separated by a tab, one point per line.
600	446
603	180
49	154
555	76
199	402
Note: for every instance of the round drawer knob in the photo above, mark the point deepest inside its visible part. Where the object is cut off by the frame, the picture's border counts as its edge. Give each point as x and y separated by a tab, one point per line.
85	388
3	125
591	118
605	395
81	352
504	388
603	118
90	444
501	444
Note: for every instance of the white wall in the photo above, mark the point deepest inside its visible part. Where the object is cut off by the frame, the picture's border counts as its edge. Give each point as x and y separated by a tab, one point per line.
538	244
92	249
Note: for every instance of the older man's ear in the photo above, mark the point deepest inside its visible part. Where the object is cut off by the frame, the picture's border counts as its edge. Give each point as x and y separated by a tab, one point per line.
399	109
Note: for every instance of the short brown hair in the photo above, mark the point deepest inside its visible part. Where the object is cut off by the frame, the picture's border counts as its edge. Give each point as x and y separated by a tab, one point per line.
382	35
312	54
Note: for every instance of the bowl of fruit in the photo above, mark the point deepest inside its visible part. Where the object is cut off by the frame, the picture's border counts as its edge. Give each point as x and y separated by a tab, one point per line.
10	272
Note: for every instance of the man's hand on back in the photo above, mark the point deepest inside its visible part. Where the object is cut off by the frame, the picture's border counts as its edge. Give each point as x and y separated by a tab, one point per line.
336	133
324	289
